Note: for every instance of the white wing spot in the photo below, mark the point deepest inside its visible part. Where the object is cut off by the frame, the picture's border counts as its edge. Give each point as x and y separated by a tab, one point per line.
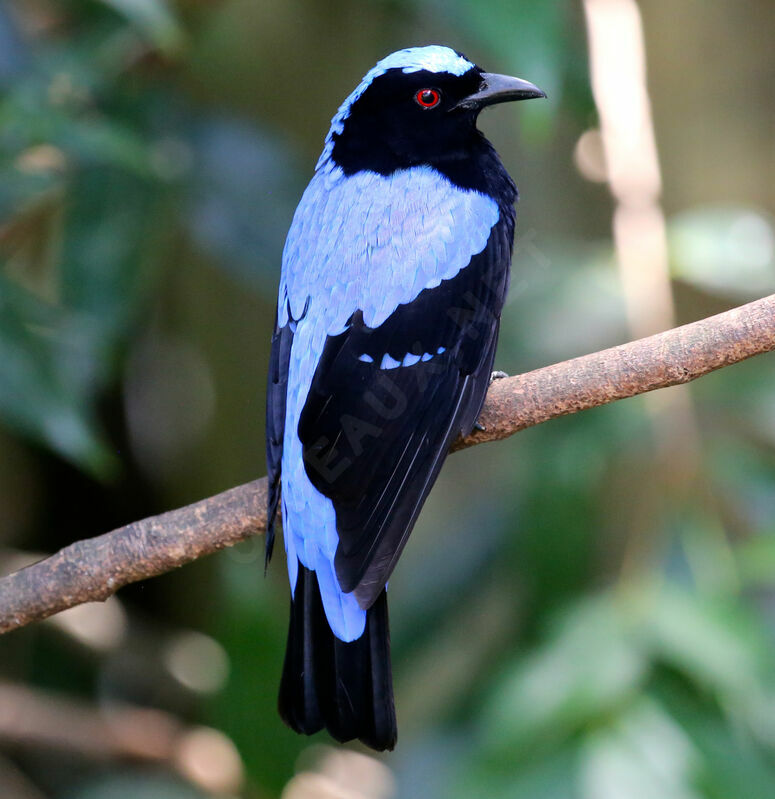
410	359
389	363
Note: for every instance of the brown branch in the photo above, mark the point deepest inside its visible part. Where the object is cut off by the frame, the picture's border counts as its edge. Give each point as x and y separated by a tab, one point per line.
95	568
35	719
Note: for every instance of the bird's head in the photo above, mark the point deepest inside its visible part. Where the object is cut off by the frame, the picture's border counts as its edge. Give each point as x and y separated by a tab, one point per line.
416	106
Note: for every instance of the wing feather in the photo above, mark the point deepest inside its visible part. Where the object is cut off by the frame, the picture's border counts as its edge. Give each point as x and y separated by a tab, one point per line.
373	438
276	394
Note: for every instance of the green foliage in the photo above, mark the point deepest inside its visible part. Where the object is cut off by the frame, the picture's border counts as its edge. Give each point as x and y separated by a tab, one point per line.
584	612
93	172
79	195
727	251
154	20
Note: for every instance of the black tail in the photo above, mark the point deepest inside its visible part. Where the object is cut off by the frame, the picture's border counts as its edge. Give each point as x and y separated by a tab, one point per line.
345	687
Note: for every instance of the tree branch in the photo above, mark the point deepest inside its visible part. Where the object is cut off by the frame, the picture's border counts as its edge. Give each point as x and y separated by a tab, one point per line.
34	719
96	568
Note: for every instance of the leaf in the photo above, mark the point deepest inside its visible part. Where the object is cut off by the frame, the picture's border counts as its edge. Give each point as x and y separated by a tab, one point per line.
37	397
724	250
587	667
112	224
551	777
714	642
56	360
155	20
642	754
756	560
732	765
83	135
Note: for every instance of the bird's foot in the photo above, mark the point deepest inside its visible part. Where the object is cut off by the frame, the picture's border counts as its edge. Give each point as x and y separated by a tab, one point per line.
479	427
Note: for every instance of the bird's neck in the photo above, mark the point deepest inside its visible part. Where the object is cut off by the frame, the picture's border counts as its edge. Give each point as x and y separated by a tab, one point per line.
471	164
478	167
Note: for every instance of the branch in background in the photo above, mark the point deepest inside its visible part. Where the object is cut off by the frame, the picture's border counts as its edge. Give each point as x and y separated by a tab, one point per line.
96	568
40	720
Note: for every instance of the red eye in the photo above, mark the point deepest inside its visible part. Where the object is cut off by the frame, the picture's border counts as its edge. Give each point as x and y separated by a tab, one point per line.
428	98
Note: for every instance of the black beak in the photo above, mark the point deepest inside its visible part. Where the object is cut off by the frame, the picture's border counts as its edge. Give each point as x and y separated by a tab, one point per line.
499	89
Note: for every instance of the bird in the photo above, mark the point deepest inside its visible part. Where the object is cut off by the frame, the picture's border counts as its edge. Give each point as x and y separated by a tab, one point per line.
394	274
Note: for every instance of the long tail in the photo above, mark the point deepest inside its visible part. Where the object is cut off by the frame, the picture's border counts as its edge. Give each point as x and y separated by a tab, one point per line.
345	687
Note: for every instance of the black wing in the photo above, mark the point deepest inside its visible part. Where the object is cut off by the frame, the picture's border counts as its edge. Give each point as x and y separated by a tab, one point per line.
277	387
374	439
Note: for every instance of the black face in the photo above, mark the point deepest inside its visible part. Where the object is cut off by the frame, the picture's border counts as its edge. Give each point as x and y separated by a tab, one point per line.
406	119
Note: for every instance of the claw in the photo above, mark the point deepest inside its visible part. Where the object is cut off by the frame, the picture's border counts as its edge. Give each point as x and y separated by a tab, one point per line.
480	428
497	375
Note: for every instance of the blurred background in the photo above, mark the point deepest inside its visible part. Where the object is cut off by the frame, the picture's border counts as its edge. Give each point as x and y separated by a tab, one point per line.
586	611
